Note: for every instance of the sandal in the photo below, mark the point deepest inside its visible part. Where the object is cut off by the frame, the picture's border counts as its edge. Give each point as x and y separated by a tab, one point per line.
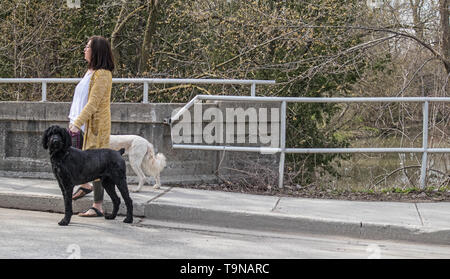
98	213
83	193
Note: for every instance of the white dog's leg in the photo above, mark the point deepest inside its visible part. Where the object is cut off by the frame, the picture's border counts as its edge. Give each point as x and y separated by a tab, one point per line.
158	182
140	175
135	163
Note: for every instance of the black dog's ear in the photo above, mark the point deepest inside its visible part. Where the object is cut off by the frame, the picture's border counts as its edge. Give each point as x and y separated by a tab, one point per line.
67	139
45	137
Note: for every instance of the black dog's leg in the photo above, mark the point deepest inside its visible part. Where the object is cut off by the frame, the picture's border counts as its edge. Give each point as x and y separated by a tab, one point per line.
123	188
109	187
67	195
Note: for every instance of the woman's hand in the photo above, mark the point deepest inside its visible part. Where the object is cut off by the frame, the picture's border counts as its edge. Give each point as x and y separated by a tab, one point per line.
73	128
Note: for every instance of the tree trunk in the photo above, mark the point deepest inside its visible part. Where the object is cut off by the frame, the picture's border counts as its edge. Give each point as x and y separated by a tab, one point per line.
149	31
443	10
416	6
116	30
121	20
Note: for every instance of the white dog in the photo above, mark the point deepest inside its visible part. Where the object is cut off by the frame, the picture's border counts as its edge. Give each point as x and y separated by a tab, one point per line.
142	157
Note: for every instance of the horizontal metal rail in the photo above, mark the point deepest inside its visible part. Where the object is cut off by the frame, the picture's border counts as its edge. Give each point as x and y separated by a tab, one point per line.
144	81
367	150
309	150
324	99
141	80
282	149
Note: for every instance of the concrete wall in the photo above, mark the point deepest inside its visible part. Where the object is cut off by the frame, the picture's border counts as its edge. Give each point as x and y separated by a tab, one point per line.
22	155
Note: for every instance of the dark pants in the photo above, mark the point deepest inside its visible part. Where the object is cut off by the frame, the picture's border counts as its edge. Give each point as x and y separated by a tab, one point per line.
77	142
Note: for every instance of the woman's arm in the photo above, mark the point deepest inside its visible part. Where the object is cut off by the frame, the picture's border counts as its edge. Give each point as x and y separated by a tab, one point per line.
98	90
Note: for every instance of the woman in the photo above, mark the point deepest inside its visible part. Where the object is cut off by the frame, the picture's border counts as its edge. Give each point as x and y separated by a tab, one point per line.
95	117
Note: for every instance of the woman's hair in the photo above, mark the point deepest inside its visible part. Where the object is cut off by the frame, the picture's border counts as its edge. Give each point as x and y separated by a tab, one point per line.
101	54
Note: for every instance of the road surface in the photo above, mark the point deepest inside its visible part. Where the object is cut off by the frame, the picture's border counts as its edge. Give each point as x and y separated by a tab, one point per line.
33	234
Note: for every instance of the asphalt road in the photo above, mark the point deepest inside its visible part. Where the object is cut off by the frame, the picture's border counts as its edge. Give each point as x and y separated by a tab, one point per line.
33	234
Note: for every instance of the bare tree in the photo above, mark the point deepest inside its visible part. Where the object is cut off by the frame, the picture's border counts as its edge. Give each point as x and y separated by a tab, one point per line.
150	29
123	17
445	31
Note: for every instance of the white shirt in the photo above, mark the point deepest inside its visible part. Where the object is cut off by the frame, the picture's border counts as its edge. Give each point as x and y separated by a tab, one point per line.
80	98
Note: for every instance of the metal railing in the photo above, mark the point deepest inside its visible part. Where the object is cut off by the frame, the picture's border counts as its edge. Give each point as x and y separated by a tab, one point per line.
284	100
283	150
144	81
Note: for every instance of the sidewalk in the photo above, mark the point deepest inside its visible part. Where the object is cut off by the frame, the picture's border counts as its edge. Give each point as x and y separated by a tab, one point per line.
420	222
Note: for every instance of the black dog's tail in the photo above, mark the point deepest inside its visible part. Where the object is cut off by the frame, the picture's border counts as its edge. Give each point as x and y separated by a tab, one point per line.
121	151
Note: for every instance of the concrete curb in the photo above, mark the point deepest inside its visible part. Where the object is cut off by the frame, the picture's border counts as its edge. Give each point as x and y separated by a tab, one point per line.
293	224
270	221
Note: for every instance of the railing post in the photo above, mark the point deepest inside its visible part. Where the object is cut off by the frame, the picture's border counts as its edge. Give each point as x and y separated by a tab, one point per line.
253	90
44	91
282	144
145	97
423	171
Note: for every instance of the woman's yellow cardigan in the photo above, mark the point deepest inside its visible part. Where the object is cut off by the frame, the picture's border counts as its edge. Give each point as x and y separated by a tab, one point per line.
97	112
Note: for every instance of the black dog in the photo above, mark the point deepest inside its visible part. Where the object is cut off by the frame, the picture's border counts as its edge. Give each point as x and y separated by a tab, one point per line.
72	167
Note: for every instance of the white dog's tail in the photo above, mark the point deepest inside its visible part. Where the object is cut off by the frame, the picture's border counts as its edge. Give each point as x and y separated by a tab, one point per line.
153	164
